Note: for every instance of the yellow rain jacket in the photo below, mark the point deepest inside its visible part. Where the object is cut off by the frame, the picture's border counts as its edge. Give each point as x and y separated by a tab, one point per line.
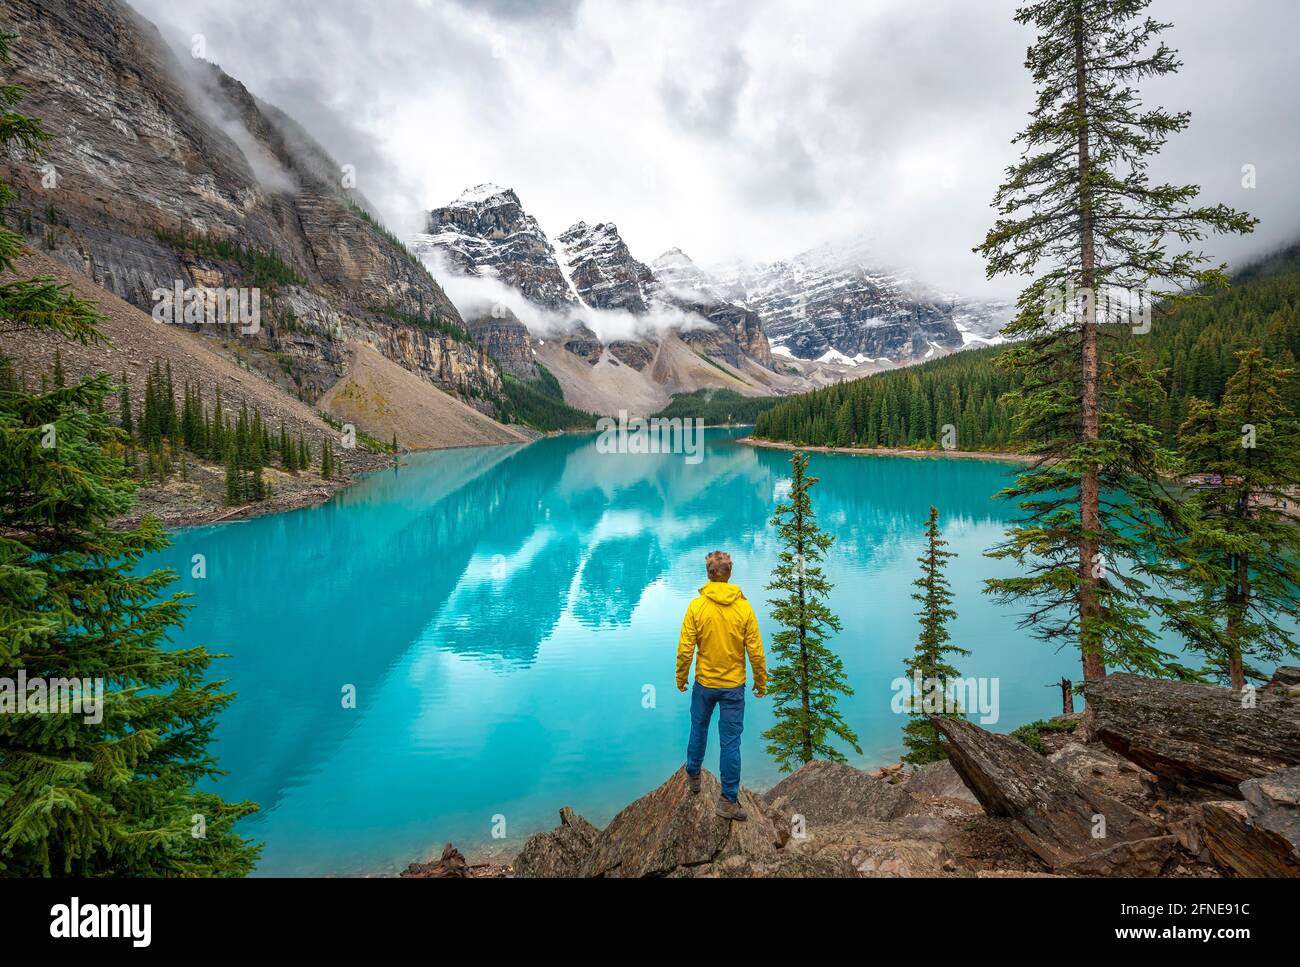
722	625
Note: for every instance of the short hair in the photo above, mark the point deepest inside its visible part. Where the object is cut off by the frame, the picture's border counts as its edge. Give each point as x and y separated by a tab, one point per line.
718	564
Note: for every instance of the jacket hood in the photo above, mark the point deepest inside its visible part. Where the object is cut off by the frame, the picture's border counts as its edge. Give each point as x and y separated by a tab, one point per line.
721	593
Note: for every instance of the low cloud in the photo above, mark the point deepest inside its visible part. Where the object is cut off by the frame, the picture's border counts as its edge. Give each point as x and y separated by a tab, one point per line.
477	296
749	128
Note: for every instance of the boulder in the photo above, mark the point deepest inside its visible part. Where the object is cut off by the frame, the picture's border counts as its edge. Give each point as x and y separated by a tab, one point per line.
1259	836
559	852
938	780
1199	736
1094	763
824	793
673	832
909	846
1072	827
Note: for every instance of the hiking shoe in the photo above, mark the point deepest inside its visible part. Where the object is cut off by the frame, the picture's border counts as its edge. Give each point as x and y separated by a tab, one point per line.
731	810
693	783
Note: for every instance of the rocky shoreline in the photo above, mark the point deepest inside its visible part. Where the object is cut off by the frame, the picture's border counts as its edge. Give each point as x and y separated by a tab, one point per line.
1158	778
1000	456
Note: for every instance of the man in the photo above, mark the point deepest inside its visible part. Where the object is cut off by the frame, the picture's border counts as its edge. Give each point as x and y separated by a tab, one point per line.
721	624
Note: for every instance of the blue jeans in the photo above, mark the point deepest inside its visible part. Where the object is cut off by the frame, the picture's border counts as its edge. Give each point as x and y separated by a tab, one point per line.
731	722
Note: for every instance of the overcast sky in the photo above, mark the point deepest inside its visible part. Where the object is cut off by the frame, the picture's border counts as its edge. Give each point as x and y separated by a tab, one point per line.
754	128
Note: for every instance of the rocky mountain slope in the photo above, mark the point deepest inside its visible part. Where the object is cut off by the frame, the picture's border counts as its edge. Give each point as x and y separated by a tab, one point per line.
658	340
135	343
834	303
165	171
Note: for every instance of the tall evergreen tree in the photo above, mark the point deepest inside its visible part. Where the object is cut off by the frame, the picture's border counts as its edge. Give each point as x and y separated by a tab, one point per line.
111	792
805	675
1243	549
124	408
1080	215
929	661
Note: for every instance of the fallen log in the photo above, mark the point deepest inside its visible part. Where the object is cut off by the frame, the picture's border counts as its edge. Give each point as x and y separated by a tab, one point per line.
1198	736
451	865
1071	826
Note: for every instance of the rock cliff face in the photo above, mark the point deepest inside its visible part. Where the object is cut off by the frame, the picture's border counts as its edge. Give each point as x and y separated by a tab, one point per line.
587	272
834	304
602	269
169	171
486	232
737	331
507	341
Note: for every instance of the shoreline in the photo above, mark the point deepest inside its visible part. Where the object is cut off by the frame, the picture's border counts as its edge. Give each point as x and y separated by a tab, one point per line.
314	494
940	454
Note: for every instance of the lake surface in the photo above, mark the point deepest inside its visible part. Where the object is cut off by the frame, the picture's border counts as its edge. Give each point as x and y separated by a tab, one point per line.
501	611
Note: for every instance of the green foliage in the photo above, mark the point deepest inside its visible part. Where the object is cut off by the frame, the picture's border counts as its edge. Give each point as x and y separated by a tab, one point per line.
540	404
259	268
246	449
929	660
1240	552
430	323
904	408
1032	734
717	407
804	674
117	796
1191	350
327	460
1078	214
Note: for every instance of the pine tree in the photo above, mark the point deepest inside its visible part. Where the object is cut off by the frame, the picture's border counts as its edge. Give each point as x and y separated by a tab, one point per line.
1080	215
169	421
116	797
59	377
234	475
1242	551
285	448
804	675
125	420
929	661
327	460
217	433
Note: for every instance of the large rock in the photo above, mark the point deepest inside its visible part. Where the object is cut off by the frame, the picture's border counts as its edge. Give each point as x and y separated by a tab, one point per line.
909	846
1094	763
1199	736
1260	836
559	852
672	832
1073	827
824	793
938	780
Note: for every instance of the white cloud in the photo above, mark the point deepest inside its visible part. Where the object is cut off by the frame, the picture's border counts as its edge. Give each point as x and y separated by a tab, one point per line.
741	127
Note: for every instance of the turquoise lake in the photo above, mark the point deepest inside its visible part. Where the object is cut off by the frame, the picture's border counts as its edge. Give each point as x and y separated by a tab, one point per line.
501	611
